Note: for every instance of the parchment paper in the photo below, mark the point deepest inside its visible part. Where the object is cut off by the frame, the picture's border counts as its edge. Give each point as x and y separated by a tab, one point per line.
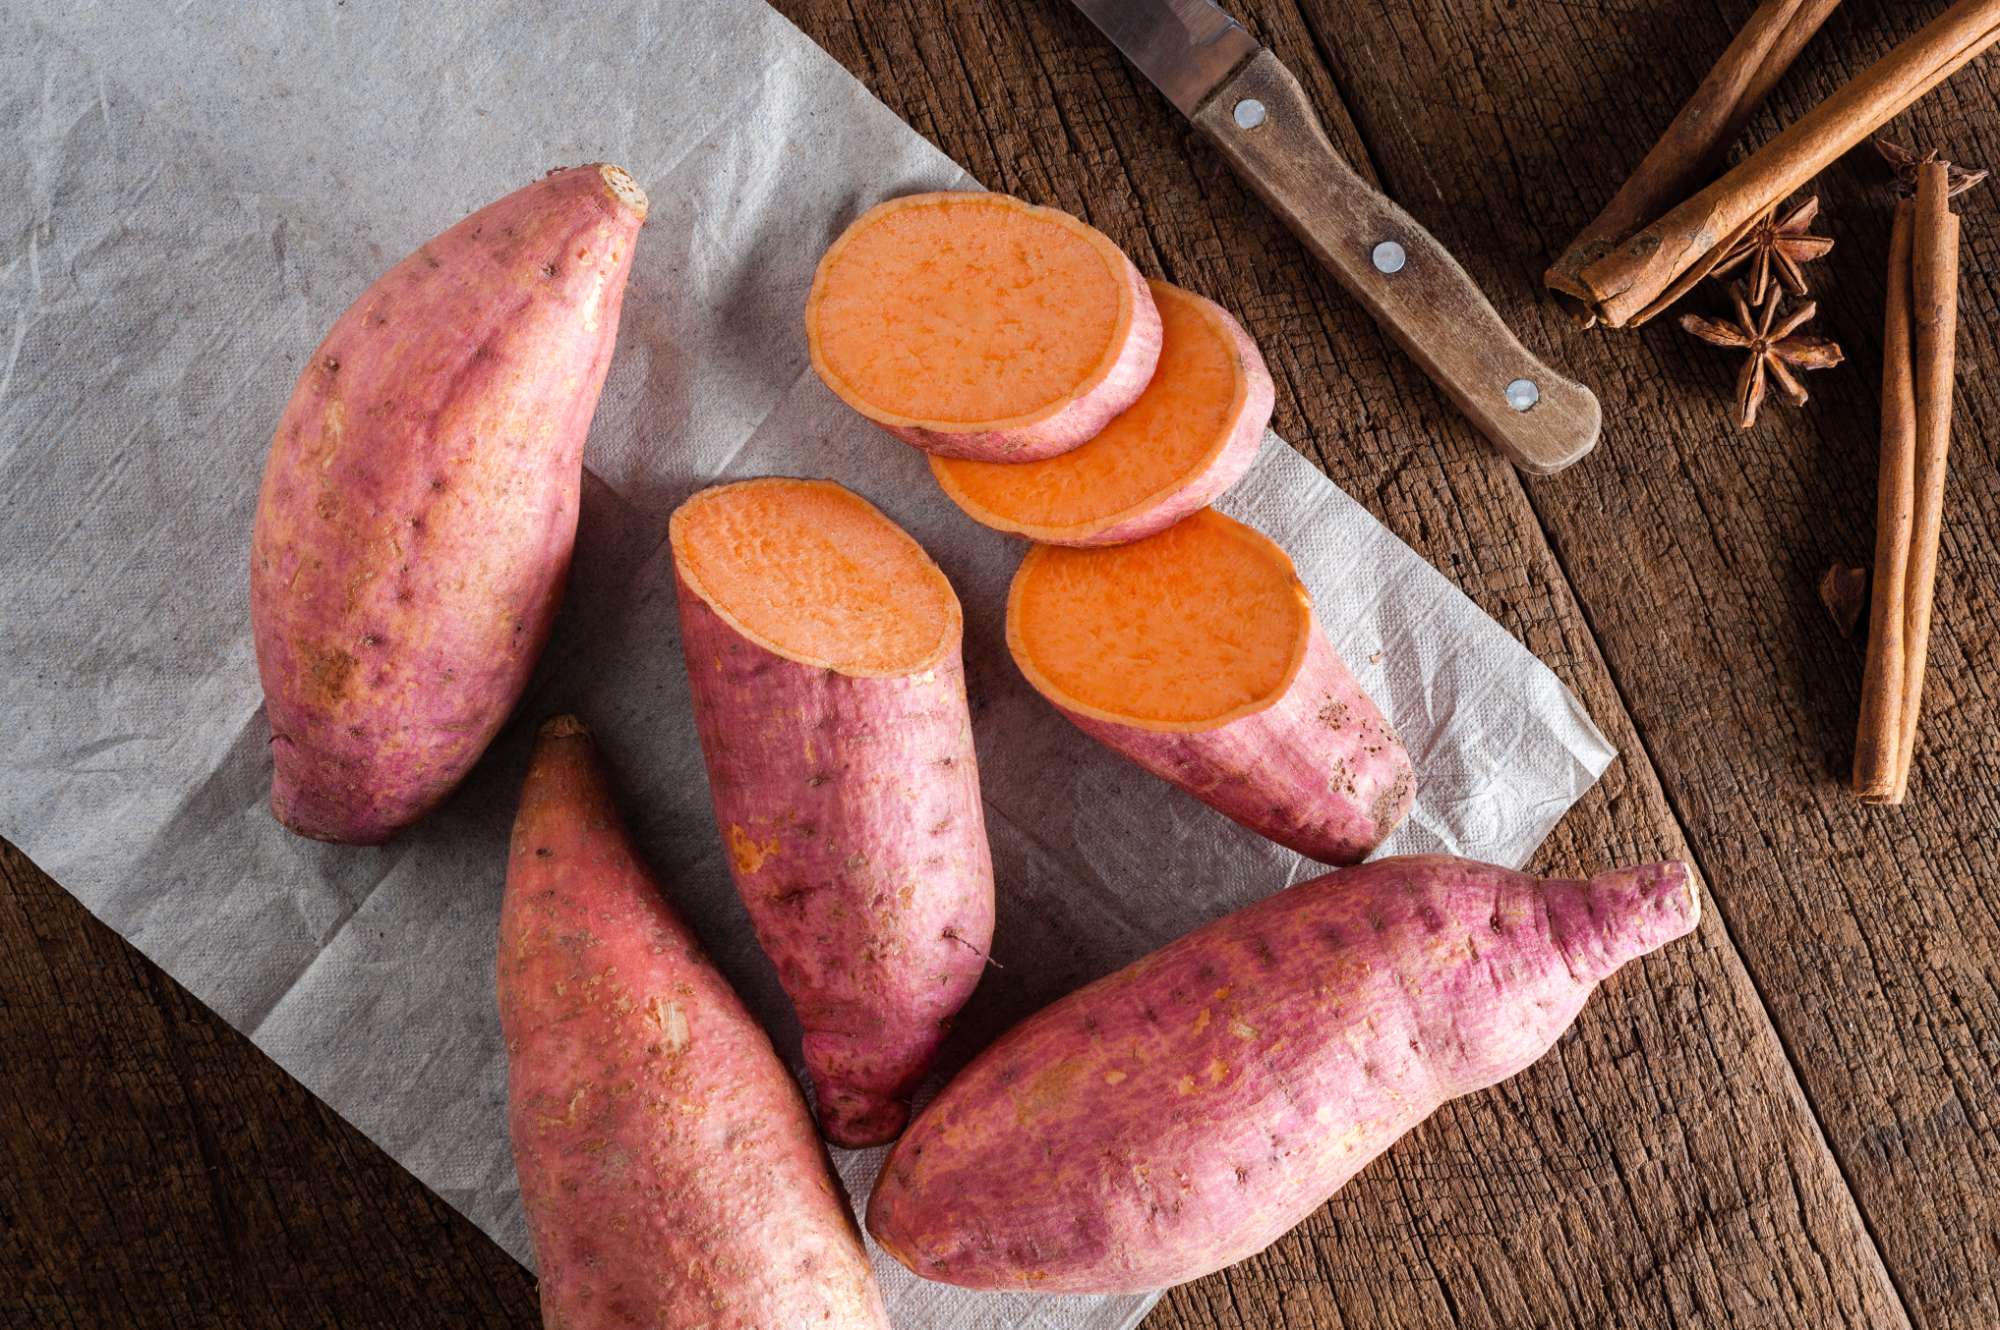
194	196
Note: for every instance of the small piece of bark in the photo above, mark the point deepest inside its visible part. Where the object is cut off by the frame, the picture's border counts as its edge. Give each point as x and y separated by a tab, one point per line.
1844	592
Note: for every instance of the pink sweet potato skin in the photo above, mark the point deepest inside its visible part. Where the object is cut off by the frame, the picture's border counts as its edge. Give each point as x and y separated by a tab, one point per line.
849	809
1319	771
1181	1114
1082	420
668	1164
419	505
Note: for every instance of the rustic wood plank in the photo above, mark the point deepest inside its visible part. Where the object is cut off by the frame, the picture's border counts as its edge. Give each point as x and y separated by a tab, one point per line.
157	1171
1871	934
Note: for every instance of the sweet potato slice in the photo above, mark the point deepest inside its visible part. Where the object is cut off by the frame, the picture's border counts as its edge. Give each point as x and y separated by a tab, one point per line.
1191	435
1195	653
976	325
823	656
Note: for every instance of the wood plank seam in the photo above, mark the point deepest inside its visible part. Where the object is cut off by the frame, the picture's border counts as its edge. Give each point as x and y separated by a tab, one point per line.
1798	1084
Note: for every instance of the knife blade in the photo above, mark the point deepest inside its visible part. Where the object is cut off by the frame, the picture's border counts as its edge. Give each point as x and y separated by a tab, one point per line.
1245	102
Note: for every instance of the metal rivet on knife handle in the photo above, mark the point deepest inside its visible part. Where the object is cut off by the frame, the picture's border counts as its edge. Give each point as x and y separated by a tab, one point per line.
1249	113
1388	257
1522	394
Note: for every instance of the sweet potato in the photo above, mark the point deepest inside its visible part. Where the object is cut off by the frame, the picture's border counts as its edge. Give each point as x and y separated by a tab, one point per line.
1190	436
823	654
1181	1114
419	505
976	325
669	1167
1195	653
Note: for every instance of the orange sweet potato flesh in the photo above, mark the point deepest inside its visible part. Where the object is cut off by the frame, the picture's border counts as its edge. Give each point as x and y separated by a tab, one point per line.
1187	630
1191	435
811	570
1195	653
977	325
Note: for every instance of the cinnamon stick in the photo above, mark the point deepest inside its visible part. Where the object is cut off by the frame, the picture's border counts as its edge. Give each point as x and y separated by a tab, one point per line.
1934	305
1878	740
1919	353
1628	281
1693	144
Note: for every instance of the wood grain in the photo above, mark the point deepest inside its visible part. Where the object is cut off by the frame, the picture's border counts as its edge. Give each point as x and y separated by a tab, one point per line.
1787	1121
156	1170
1871	935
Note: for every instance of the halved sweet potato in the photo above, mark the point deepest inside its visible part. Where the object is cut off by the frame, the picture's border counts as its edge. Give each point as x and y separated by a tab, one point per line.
823	655
1191	435
977	325
1195	653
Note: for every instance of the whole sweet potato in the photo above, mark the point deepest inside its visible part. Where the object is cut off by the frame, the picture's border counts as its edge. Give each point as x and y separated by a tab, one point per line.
1181	1114
823	655
419	506
668	1165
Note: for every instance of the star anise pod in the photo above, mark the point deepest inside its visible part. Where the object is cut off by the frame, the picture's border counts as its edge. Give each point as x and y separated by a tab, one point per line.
1776	247
1775	347
1905	161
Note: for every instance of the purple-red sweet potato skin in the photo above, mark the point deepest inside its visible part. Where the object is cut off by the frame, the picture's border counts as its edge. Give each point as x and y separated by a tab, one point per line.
1181	1114
669	1167
419	506
850	813
1319	771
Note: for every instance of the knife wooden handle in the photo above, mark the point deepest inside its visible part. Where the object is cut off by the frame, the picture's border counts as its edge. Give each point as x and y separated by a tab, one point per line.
1430	306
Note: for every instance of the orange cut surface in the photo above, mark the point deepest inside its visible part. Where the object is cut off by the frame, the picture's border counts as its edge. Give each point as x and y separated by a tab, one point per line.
816	573
1185	630
1175	430
967	311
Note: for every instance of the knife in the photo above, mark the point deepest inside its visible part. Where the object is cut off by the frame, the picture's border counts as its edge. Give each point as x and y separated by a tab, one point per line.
1251	108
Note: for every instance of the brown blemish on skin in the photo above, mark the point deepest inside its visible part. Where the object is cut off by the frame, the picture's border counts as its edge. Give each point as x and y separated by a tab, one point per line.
329	673
797	896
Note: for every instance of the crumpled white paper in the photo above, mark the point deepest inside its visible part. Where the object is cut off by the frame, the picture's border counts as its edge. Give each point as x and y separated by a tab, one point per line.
195	196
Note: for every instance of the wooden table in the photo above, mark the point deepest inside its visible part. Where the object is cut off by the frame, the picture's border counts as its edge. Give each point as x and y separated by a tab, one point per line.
1790	1120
